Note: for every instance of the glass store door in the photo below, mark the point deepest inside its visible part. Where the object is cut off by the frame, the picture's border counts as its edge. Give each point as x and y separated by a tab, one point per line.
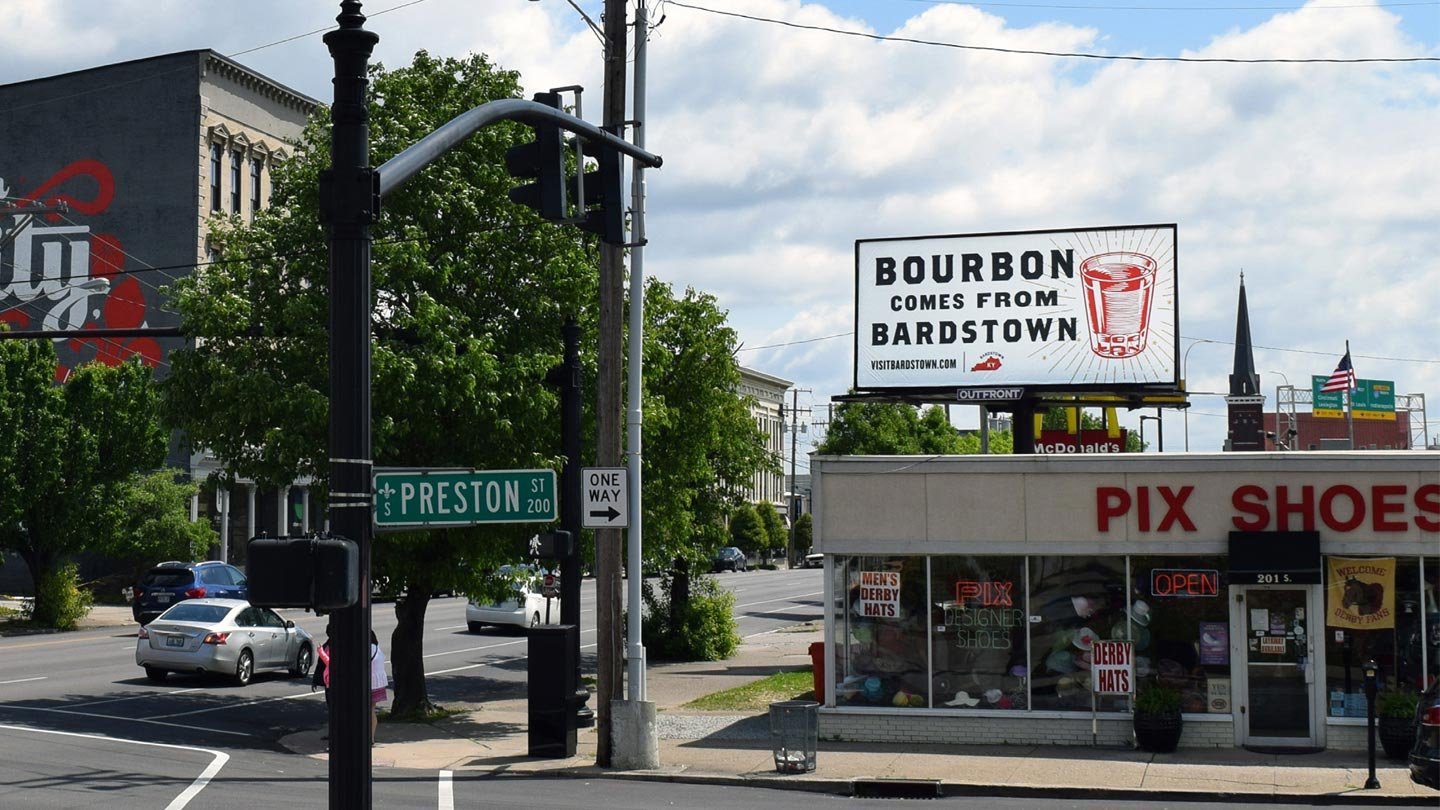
1280	707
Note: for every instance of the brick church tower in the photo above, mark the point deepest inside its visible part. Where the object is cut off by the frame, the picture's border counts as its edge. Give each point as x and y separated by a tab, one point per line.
1245	405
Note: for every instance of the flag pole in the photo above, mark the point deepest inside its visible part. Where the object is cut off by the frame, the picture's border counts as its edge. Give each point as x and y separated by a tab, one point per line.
1350	398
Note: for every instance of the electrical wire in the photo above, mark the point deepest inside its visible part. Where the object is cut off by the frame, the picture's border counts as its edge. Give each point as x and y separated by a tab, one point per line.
1057	54
1267	9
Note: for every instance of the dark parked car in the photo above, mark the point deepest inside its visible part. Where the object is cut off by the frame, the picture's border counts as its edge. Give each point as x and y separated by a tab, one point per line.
174	581
1425	756
728	559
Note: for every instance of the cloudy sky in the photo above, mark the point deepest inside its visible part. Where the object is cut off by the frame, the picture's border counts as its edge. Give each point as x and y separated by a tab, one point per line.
784	143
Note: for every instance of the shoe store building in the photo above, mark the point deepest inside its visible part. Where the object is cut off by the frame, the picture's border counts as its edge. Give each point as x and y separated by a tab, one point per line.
965	593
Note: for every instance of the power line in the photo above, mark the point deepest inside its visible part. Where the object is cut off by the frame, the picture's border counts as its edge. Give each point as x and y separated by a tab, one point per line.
1058	54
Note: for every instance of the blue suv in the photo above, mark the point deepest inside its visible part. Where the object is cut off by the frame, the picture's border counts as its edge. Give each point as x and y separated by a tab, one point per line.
174	581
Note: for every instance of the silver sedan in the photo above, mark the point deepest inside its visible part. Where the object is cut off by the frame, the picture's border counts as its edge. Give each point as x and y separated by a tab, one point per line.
225	636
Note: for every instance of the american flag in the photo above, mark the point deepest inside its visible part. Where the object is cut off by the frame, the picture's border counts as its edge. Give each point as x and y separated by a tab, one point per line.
1342	379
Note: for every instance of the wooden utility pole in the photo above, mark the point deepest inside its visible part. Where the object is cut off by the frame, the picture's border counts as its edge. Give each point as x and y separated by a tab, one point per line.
609	412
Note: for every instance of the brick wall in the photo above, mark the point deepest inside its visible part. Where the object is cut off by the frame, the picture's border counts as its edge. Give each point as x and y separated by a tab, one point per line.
1006	728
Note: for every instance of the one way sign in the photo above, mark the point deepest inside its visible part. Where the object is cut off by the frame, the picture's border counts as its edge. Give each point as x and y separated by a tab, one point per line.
606	492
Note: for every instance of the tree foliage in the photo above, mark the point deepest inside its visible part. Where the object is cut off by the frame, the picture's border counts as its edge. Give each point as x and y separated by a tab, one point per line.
747	532
151	519
804	533
777	535
700	442
889	428
470	293
67	453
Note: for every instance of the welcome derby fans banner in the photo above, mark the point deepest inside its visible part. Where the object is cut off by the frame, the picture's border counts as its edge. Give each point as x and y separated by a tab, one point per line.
1073	308
1361	593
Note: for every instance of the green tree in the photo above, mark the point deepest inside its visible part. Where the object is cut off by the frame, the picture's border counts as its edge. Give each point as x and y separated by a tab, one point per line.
66	454
747	532
889	428
700	442
470	293
151	519
777	534
804	533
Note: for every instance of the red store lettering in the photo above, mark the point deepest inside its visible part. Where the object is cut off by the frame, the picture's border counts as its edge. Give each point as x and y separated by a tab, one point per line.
1341	508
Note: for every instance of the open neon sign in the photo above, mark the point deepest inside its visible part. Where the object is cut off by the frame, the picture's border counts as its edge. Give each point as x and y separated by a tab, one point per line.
1184	582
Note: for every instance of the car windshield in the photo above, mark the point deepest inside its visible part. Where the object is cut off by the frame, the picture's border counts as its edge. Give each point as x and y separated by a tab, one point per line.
189	612
167	578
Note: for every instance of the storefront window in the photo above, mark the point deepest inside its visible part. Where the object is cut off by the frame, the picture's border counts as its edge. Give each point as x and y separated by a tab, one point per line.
978	614
881	646
1073	601
1179	621
1378	608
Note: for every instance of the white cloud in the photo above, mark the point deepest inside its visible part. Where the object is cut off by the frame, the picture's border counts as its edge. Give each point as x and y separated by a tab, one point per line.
781	146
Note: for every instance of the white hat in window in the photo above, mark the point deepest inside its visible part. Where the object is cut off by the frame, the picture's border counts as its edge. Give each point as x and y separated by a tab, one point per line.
1084	638
1084	607
962	699
1139	612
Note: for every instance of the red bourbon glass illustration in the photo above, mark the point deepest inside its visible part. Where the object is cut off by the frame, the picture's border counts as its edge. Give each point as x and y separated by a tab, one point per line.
1119	287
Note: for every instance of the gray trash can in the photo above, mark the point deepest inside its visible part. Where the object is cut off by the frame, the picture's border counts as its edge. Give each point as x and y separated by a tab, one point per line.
794	729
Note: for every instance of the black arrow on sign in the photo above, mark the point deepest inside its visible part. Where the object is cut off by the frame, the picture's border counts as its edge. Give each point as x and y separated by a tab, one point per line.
609	514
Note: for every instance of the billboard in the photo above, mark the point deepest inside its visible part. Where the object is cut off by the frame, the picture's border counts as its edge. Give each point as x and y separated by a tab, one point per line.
1371	399
1093	308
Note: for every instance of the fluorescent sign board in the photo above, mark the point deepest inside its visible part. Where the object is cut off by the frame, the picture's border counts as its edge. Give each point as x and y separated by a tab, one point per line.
1076	308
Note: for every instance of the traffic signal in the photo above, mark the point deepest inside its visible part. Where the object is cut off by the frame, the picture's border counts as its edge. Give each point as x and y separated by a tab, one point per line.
603	208
543	160
310	572
552	545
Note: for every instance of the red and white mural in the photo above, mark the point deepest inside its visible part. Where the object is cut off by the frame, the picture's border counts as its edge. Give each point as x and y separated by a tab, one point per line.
58	273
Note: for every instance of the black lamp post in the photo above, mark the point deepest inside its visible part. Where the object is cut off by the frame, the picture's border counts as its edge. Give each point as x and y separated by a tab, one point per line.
1372	674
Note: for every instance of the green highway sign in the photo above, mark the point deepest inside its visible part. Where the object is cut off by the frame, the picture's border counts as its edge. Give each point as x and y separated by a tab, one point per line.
461	497
1371	399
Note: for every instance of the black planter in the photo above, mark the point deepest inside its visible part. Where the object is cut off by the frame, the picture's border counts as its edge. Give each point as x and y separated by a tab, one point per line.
1159	733
1396	735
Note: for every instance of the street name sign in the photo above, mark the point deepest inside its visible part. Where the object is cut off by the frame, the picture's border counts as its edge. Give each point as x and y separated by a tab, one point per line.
605	498
463	497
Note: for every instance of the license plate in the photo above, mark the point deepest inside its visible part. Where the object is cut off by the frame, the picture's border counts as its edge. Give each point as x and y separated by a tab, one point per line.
175	641
162	597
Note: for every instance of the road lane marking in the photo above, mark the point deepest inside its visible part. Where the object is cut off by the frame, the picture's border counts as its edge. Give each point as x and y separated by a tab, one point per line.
4	706
25	680
85	640
781	599
136	697
179	802
447	791
491	663
241	705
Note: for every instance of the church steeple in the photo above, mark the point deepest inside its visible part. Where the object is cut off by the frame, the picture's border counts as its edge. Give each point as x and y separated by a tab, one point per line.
1245	405
1244	381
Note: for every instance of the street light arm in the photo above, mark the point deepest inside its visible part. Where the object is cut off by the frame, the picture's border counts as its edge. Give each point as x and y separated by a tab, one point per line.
395	171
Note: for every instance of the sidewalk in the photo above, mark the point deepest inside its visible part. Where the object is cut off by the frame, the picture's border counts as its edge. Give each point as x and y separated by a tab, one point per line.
727	748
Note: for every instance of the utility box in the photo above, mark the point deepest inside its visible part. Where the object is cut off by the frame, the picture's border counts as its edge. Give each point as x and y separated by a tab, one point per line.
553	672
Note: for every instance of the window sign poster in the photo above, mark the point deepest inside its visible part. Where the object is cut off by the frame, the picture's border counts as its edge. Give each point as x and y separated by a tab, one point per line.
1259	619
1214	643
880	594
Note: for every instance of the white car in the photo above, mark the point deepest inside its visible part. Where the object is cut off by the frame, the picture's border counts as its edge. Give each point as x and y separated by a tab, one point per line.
225	636
527	607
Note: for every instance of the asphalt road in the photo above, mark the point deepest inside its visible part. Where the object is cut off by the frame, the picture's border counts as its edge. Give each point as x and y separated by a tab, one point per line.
80	725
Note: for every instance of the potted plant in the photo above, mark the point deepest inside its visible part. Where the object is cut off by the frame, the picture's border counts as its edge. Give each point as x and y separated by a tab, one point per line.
1396	710
1158	721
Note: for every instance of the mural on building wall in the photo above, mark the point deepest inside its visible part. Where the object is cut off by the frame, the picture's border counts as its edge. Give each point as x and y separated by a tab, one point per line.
53	265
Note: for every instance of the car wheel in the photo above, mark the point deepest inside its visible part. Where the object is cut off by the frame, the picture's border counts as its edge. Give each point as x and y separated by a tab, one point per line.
155	674
303	659
244	668
535	619
474	626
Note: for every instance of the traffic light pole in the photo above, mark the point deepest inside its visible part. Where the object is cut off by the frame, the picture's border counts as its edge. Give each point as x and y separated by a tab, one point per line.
350	194
349	204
